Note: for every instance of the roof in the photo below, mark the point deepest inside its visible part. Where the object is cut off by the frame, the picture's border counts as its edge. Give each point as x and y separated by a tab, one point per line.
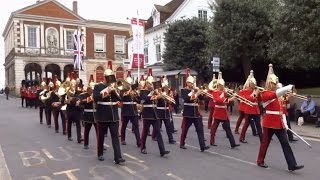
174	72
165	12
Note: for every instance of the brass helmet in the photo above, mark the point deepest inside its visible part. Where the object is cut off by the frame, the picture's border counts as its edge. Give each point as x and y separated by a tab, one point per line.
189	78
142	82
150	78
164	81
129	78
220	79
91	82
213	83
249	80
271	78
109	75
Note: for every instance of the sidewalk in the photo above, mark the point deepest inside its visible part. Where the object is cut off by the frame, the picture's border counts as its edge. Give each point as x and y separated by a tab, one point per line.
306	130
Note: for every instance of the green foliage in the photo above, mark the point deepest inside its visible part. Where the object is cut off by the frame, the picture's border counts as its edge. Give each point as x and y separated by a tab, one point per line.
240	31
187	45
296	39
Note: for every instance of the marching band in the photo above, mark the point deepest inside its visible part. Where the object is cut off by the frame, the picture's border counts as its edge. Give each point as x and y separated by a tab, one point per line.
150	103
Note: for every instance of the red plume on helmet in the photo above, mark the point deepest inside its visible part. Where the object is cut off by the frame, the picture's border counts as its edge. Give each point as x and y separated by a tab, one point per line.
129	73
187	75
109	66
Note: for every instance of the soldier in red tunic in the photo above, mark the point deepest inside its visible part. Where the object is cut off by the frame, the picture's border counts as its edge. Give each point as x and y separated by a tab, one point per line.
252	113
274	123
220	113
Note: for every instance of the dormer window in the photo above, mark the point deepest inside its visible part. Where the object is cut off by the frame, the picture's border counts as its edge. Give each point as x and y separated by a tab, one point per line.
155	17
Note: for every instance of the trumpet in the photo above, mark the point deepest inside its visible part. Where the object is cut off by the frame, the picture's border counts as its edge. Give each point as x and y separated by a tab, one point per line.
230	92
167	97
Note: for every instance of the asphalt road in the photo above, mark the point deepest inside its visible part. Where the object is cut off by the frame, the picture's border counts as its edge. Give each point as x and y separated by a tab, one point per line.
29	150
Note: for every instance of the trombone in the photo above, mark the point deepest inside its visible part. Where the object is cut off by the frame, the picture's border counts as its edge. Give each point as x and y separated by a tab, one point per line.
240	98
167	97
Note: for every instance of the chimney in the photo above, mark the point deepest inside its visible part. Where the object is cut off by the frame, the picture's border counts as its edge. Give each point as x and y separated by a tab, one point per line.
75	6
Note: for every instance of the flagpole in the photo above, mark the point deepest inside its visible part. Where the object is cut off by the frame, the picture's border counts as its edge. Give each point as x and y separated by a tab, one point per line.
79	53
138	23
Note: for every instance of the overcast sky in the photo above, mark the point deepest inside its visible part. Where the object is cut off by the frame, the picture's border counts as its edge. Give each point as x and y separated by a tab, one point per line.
105	10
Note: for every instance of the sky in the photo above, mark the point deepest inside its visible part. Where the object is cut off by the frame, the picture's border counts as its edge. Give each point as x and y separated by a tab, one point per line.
104	10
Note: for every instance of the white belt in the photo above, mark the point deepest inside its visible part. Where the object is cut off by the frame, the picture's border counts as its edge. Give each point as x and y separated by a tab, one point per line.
129	103
162	107
218	106
265	104
107	103
190	104
254	103
148	105
89	110
274	112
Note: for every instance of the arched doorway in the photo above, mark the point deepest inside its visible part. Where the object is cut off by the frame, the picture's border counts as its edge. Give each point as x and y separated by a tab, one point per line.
119	73
32	71
99	74
51	70
66	70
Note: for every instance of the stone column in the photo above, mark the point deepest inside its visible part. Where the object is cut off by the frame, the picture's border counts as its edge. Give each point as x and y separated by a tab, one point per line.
61	40
21	37
42	36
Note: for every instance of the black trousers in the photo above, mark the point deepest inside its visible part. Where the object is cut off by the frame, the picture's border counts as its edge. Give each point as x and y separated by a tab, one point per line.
290	135
186	123
56	122
226	127
74	116
251	119
145	129
48	116
41	109
169	128
22	101
282	136
87	128
135	125
102	129
7	95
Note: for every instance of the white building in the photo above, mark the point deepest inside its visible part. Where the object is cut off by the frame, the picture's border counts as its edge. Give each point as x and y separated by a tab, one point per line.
157	25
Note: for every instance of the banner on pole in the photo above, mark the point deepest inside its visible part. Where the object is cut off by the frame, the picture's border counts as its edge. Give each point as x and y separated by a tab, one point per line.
78	50
138	43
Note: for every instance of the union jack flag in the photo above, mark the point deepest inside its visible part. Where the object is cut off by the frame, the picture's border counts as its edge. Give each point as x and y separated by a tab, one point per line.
78	50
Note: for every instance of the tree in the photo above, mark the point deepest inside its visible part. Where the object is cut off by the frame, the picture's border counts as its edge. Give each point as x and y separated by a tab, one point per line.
296	38
240	31
186	43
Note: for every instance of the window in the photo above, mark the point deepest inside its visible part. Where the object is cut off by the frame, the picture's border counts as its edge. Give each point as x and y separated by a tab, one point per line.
146	60
158	52
99	42
119	44
202	14
32	37
69	39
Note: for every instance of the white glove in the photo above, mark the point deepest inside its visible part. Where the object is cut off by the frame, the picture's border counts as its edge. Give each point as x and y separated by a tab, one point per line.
284	121
283	90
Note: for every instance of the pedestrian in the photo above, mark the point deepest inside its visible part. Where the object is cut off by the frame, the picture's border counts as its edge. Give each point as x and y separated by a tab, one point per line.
6	91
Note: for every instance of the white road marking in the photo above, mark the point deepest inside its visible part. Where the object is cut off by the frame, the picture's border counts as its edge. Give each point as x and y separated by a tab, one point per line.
226	156
4	171
106	145
132	157
174	176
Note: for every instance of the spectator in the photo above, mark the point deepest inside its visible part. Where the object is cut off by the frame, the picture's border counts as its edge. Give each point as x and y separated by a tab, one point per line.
307	108
6	91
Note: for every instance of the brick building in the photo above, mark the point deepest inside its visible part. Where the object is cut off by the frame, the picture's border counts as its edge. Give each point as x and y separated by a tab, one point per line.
39	43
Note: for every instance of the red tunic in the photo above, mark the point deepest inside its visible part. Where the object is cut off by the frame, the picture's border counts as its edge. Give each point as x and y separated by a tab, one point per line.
23	91
242	105
284	104
211	101
273	115
220	109
251	109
